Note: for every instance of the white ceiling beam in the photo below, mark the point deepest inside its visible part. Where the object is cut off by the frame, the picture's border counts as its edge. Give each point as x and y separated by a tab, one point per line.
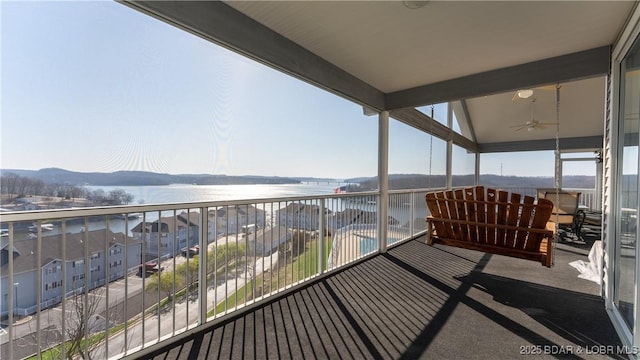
574	143
580	65
464	119
423	122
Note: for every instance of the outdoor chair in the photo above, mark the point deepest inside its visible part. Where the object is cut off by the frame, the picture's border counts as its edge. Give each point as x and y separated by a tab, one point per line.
566	212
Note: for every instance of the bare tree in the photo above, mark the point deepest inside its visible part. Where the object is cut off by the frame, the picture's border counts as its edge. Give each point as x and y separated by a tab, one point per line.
86	324
76	192
10	183
83	316
38	187
127	199
23	185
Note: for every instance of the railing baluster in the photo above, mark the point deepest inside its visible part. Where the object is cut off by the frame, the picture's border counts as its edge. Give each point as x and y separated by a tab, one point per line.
12	305
39	291
87	279
64	287
126	284
107	260
320	242
143	271
173	284
226	260
215	267
203	243
158	262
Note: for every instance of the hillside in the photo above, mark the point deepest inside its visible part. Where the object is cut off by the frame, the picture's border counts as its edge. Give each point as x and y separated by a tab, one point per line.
141	178
416	181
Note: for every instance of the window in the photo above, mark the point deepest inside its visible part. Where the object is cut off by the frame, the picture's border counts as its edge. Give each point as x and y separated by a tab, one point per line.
625	281
463	167
409	157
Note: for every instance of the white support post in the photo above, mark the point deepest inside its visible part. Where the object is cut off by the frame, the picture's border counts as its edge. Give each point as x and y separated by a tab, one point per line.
383	178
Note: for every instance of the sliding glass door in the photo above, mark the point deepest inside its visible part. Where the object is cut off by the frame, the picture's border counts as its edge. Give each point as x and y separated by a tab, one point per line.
627	218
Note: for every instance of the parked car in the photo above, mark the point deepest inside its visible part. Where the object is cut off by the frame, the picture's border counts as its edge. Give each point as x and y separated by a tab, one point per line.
150	268
192	251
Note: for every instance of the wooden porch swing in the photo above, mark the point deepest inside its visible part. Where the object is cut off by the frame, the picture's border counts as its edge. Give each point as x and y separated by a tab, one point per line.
491	222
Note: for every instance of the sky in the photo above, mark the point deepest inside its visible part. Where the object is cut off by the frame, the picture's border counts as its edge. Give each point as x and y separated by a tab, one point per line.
100	87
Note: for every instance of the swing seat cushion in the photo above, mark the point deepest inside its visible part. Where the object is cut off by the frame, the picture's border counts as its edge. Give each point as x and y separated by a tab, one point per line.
491	221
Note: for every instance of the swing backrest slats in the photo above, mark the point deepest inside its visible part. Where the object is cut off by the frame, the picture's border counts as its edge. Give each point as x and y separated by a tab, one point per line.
482	219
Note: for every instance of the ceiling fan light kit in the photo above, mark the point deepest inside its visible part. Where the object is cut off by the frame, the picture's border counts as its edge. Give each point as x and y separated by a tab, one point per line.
525	94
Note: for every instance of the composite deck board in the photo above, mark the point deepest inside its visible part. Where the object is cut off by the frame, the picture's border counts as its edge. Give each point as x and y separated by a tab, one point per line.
417	301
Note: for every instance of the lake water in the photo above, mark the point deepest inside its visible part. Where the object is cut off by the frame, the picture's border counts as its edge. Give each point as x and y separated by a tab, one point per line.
178	193
190	193
193	193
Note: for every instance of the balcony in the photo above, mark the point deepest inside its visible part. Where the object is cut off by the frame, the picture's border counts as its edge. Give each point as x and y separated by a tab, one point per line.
305	275
418	301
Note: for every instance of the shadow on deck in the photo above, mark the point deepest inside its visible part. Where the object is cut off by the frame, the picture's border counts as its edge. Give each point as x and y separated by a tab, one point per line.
418	301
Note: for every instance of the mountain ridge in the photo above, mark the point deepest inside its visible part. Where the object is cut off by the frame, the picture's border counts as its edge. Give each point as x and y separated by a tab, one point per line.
143	178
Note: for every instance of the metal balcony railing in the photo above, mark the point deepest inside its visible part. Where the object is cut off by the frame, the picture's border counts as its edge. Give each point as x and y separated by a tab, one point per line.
174	267
588	198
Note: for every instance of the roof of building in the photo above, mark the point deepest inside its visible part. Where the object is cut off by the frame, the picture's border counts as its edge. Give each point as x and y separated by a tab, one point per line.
167	223
26	250
297	207
235	210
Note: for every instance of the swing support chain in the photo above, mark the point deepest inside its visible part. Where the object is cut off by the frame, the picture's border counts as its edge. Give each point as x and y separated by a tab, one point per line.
556	175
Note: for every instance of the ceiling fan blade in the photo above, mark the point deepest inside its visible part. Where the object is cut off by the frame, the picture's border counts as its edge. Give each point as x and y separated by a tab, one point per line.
520	127
546	88
548	123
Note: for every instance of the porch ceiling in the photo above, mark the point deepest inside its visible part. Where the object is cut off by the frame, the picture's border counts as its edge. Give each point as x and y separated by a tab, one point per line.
387	56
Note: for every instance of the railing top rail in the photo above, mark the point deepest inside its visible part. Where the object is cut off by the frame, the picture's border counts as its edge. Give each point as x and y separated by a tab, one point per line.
420	190
35	215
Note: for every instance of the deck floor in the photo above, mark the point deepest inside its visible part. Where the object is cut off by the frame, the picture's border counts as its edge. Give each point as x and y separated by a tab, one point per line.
418	301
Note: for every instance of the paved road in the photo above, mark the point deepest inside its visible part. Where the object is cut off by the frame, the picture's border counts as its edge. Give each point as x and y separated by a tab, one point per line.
185	313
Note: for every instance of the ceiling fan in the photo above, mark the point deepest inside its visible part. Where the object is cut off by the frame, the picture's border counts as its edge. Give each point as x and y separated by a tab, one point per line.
532	124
